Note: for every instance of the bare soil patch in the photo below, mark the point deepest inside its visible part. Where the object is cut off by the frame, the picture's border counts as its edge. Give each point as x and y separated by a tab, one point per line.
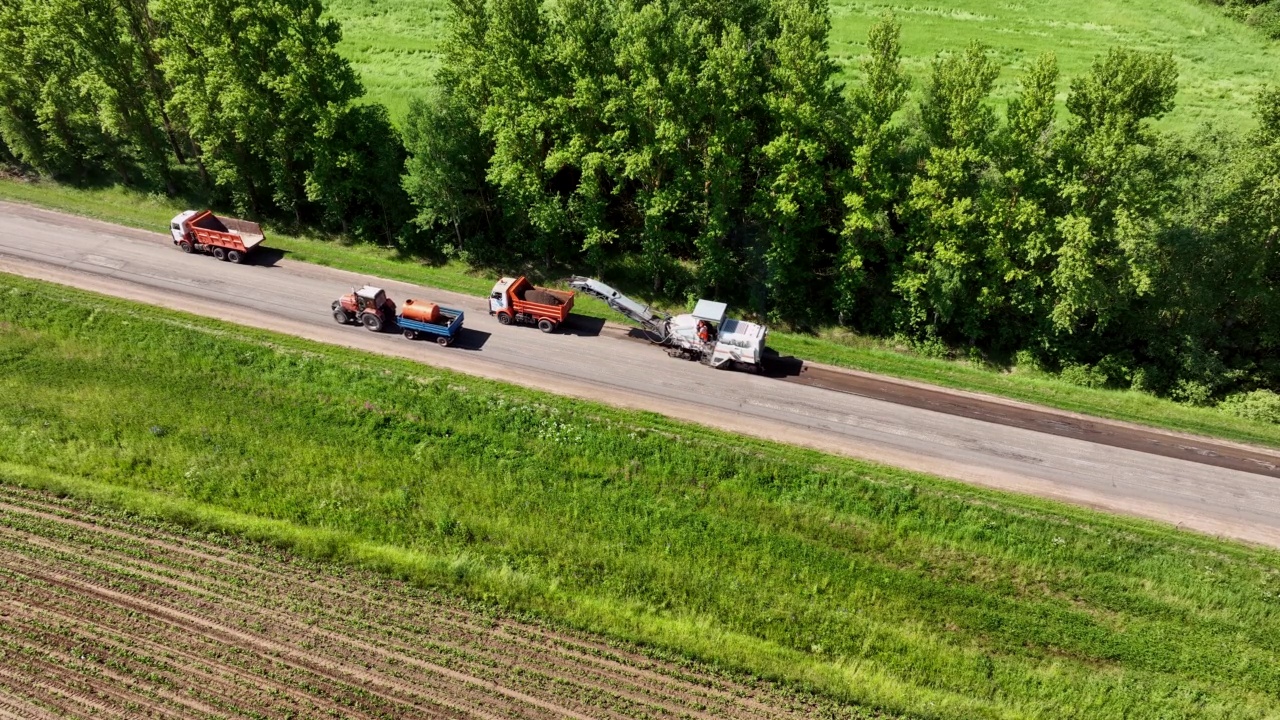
109	616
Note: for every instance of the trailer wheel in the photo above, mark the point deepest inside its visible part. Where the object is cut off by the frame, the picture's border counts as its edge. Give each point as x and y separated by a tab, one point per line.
219	253
342	317
372	322
410	335
504	318
546	325
443	341
235	256
185	246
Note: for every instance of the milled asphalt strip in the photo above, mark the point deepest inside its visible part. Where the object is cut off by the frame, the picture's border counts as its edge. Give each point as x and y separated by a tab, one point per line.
294	298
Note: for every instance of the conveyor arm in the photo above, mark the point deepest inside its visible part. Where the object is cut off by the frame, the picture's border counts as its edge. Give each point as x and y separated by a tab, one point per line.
643	314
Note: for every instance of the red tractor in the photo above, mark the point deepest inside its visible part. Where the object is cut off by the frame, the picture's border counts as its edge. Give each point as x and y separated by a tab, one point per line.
368	306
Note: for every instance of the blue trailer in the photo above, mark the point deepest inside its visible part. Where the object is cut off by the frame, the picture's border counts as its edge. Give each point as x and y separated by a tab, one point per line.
444	333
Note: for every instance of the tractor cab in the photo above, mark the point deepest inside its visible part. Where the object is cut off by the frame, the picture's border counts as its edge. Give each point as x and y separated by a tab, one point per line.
369	297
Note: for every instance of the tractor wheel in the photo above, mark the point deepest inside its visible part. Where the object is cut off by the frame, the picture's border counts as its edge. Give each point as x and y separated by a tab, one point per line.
504	318
220	253
410	335
372	322
342	317
235	256
185	247
546	325
444	341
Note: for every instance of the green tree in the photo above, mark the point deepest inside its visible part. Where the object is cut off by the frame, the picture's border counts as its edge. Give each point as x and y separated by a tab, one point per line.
799	160
943	281
1113	186
257	91
868	246
1018	211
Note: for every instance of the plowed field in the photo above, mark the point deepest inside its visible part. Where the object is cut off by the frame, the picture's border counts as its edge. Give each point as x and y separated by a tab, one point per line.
103	615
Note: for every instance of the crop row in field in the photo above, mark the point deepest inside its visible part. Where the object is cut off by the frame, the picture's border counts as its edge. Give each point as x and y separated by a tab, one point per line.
884	588
104	614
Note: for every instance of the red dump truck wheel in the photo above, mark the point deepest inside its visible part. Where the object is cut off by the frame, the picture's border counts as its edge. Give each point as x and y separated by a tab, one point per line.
235	256
504	318
219	253
186	246
546	325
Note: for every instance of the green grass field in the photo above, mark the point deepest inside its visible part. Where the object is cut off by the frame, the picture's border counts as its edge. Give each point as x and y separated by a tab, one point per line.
152	212
394	44
879	587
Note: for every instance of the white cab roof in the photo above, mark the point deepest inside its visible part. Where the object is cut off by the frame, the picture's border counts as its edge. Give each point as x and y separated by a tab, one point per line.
369	292
710	310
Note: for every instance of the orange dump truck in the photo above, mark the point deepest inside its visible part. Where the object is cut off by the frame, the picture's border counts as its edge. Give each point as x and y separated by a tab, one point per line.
516	300
225	238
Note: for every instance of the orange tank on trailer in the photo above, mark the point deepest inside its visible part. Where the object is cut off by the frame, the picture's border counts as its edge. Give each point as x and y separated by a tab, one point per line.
422	311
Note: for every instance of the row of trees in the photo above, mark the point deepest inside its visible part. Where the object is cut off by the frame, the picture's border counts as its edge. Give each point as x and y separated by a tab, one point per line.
708	145
705	146
245	98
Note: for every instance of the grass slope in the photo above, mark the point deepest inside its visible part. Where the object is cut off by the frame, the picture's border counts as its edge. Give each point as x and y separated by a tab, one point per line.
394	44
152	212
892	590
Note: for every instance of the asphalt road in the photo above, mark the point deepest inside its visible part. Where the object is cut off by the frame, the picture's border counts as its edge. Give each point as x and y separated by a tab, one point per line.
1211	486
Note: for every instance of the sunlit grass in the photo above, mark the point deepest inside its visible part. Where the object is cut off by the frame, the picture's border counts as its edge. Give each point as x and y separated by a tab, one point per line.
878	586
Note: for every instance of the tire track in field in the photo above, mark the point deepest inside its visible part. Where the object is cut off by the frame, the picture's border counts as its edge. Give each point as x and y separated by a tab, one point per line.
611	670
132	587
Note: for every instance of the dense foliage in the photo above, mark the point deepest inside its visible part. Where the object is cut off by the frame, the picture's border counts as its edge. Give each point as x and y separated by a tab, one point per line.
251	99
707	146
688	147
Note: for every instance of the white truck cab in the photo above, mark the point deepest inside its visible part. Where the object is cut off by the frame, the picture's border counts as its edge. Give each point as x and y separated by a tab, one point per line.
178	225
498	296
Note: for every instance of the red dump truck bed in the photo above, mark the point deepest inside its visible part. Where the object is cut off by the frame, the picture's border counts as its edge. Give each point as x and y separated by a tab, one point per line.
226	238
541	302
226	231
518	301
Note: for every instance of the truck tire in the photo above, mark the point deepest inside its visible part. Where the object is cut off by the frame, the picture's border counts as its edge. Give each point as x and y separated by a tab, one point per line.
235	256
342	317
220	253
443	341
546	325
504	318
186	247
372	322
410	335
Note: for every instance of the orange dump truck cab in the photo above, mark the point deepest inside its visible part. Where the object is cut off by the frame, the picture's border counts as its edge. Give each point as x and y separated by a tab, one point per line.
518	301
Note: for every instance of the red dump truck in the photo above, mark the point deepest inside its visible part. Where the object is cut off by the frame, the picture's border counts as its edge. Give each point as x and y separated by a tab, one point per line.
516	300
225	238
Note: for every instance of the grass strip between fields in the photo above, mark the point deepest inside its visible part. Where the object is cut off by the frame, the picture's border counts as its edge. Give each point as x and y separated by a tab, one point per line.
150	212
892	590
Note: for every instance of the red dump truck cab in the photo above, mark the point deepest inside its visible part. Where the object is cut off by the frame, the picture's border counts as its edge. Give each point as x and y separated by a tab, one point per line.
225	238
518	301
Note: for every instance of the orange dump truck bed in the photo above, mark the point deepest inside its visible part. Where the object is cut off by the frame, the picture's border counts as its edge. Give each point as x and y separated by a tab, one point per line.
231	233
541	302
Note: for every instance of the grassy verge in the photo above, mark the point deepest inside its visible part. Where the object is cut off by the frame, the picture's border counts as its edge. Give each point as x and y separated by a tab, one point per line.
151	212
888	589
